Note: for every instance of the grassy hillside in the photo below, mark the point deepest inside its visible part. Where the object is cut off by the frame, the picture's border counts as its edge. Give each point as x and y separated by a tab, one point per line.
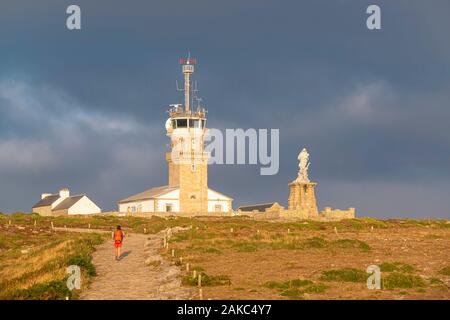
241	258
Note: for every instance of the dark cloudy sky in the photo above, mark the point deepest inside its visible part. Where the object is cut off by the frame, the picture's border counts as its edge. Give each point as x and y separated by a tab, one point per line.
86	109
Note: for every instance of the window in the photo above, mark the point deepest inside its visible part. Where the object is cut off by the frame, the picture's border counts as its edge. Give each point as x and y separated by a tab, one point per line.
218	208
182	123
193	167
203	123
139	208
194	123
168	207
193	196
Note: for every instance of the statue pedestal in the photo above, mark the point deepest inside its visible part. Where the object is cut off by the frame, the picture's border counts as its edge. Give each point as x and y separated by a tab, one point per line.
302	197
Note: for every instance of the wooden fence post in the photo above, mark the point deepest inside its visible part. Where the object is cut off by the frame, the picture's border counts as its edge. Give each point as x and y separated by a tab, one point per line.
187	267
52	225
173	252
199	280
200	293
194	274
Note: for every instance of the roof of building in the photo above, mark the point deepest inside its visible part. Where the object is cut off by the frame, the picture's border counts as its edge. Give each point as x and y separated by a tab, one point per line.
258	207
47	201
149	194
68	202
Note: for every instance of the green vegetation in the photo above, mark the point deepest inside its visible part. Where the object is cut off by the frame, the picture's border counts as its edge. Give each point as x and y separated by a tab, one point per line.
401	280
53	290
396	266
207	280
315	242
246	246
445	271
33	262
351	243
295	288
344	275
33	258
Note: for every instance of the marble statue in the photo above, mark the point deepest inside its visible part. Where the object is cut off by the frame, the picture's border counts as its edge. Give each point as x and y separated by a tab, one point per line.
303	158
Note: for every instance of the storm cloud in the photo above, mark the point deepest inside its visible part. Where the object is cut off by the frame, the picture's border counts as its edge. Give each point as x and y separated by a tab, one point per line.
86	109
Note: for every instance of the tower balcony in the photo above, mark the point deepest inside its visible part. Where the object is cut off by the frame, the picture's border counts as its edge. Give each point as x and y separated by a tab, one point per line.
179	112
187	156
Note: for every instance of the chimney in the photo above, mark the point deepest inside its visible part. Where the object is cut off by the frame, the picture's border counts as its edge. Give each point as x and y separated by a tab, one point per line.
64	193
45	195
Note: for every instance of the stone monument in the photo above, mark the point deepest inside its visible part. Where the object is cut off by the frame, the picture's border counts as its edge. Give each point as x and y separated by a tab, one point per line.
302	197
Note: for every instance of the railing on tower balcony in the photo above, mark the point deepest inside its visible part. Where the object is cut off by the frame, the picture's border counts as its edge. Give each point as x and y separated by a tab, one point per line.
178	111
188	155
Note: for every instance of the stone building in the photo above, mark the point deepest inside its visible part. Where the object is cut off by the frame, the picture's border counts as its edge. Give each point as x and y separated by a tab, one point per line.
262	207
187	190
63	203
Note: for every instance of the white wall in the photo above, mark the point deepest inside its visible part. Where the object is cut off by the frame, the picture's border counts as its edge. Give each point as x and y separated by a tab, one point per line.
215	198
172	197
213	203
162	205
146	205
84	206
149	205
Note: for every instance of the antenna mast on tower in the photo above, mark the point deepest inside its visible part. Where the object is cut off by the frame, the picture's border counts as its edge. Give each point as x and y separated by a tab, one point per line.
188	69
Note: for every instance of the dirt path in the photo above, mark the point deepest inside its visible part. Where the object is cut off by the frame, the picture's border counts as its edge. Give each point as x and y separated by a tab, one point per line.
140	274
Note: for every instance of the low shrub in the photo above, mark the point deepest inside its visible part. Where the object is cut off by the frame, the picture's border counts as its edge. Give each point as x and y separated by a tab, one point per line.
396	266
54	290
401	280
344	275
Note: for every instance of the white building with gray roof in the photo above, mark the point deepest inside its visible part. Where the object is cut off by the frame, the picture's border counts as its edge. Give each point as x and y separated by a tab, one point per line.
63	203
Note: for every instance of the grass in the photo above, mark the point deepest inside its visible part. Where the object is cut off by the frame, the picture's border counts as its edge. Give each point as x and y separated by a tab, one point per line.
296	288
245	246
351	243
344	275
33	264
401	280
53	290
445	271
209	240
396	266
315	242
207	280
106	222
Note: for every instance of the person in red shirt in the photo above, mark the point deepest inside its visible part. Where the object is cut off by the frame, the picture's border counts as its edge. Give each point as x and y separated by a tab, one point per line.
118	240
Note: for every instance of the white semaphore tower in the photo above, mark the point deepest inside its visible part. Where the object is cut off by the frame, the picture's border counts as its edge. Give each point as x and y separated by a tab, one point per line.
187	161
187	191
